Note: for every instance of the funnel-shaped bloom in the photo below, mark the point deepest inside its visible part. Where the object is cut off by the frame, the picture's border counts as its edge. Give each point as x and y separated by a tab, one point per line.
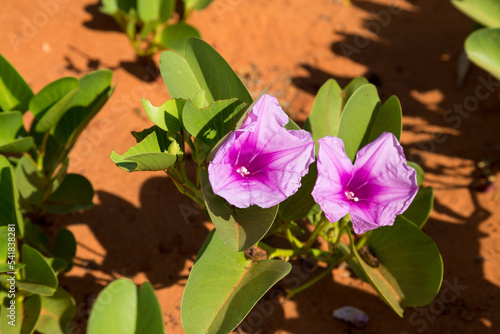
374	191
261	163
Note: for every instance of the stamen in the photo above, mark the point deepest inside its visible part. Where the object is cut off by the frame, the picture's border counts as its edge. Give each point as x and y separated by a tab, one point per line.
350	196
243	171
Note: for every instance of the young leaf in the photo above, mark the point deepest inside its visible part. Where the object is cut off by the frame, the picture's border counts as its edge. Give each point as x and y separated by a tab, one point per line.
166	116
148	10
147	155
239	228
211	124
15	94
388	119
411	269
325	114
176	36
357	119
223	286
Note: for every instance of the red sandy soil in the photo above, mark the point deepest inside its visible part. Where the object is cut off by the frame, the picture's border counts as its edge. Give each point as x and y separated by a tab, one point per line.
137	228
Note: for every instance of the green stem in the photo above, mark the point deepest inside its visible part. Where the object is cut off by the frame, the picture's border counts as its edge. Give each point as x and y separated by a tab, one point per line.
317	231
342	224
363	240
276	252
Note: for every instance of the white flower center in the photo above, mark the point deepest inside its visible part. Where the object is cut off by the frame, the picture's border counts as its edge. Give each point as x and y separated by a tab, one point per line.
243	171
350	196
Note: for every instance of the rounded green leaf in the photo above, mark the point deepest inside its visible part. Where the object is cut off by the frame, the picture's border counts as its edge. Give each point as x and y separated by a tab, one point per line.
176	36
239	228
11	124
121	309
388	119
65	245
420	172
420	209
325	114
38	276
15	93
32	306
57	312
223	286
353	86
73	194
148	10
411	269
483	49
50	95
485	12
115	310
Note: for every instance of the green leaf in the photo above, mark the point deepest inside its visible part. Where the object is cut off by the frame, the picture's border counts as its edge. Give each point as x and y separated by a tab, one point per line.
483	49
176	36
65	245
36	237
49	104
32	307
4	240
57	312
94	91
38	275
73	194
239	228
211	124
120	309
148	10
223	286
167	9
149	315
353	86
201	69
15	93
31	183
112	6
145	156
485	12
388	119
10	212
300	204
196	4
420	209
420	172
325	114
411	268
11	123
357	119
166	116
115	310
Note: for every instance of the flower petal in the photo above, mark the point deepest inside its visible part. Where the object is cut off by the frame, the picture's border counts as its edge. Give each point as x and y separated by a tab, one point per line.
384	183
261	163
334	172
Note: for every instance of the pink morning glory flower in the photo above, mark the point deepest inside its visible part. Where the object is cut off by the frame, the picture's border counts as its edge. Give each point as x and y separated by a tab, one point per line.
262	163
377	188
